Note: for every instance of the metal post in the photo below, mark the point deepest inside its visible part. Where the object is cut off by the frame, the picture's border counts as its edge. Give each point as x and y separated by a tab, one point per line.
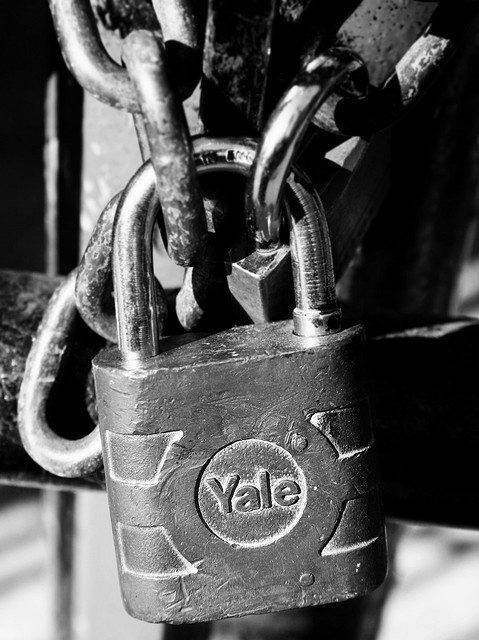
59	511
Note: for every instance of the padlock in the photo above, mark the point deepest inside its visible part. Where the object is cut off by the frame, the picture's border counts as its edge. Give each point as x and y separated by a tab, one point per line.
260	282
240	467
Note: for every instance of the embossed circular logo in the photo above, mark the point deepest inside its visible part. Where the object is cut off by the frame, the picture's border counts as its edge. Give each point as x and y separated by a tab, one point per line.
251	493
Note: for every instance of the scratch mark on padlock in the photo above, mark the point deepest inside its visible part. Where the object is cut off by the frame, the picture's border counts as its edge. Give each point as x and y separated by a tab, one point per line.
184	592
352	547
322	371
181	597
312	524
120	393
353	452
230	403
165	596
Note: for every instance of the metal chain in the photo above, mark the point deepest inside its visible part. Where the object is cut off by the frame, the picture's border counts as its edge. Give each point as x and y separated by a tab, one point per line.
183	22
320	89
93	67
146	72
170	147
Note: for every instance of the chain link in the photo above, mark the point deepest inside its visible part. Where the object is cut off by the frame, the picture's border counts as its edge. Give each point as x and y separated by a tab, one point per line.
66	458
93	67
170	146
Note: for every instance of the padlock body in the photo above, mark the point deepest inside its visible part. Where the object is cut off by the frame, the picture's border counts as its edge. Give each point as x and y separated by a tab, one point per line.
241	474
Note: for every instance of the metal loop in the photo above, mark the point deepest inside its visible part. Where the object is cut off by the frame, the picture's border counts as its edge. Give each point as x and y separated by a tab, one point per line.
94	284
170	147
92	66
132	271
137	211
66	458
87	58
284	133
94	280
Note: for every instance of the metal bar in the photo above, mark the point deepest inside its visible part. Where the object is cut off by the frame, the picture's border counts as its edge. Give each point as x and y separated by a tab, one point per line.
62	171
69	177
236	64
60	524
411	258
170	146
426	421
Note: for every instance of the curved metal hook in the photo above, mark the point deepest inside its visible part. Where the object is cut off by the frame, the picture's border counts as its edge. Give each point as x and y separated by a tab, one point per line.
284	133
66	458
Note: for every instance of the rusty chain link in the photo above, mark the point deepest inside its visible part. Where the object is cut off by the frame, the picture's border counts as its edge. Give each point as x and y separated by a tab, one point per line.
63	457
170	146
96	71
183	23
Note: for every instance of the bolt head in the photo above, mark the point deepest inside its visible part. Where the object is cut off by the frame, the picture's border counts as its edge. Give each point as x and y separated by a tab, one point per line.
306	580
298	442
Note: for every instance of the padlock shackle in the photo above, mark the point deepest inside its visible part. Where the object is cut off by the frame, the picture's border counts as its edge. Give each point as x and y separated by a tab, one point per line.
132	242
93	289
132	250
284	133
316	312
